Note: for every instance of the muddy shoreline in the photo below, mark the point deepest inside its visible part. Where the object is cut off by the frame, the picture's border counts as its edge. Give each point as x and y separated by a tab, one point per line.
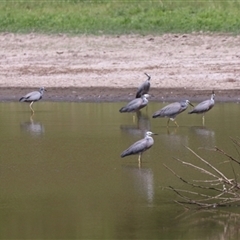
103	94
110	68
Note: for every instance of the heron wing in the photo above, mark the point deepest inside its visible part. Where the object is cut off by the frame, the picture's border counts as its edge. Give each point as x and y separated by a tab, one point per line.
139	146
169	110
203	107
32	96
132	106
143	89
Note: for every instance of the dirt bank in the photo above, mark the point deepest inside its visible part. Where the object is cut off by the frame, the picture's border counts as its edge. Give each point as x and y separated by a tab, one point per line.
110	68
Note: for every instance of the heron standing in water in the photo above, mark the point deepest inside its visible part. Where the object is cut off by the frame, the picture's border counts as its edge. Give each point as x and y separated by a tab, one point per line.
33	97
172	110
136	104
140	146
204	107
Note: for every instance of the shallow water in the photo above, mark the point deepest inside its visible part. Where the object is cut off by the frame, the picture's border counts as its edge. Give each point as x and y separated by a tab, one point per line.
61	175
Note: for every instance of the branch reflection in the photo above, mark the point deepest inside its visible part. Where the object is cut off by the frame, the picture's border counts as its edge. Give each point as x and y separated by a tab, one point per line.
227	223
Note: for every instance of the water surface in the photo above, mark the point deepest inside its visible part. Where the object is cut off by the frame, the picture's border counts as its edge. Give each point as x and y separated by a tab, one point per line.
61	175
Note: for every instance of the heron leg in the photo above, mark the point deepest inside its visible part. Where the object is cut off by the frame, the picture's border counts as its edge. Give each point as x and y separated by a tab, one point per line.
31	117
176	123
139	160
203	120
31	107
134	118
168	122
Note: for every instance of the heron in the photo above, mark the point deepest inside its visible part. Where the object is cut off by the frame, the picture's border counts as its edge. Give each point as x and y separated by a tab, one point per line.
136	104
204	107
144	87
172	110
140	146
33	97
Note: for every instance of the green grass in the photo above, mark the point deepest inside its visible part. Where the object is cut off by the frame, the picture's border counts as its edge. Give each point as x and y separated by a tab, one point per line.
119	17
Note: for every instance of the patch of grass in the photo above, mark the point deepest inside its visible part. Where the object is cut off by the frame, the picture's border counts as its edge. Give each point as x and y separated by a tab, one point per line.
119	17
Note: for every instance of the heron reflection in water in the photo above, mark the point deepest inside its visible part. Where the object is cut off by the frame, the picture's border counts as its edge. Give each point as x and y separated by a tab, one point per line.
205	136
142	180
140	127
33	128
173	139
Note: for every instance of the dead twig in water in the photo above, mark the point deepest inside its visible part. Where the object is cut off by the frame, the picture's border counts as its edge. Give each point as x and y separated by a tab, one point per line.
205	196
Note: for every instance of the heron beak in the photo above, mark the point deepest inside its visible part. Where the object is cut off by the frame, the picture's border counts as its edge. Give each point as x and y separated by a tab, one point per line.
147	75
155	133
191	104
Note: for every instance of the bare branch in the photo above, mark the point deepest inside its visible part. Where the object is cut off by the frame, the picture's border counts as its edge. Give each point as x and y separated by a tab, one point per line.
198	168
224	153
227	192
211	166
189	183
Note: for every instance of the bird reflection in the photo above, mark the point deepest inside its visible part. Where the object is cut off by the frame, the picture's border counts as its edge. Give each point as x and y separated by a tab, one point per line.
205	135
142	125
173	140
142	179
32	127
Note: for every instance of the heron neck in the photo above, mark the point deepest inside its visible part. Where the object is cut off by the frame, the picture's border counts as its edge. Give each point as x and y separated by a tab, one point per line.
148	137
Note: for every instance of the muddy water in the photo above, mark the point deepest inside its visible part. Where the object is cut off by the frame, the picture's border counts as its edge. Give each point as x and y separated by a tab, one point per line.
61	175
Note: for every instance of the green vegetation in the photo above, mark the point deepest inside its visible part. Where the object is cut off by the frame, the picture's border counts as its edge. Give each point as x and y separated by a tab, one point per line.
119	17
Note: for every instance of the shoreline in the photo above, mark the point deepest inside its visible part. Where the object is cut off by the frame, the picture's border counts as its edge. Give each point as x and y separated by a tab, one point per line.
110	68
104	94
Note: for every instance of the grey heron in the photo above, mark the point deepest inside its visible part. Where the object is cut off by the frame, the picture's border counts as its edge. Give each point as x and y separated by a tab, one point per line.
140	146
172	110
144	87
136	104
204	106
33	97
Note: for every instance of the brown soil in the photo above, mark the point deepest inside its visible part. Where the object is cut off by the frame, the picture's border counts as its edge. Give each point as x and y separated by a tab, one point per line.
110	68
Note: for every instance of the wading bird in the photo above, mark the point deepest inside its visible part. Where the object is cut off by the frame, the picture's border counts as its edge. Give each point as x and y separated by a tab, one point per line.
33	97
172	110
136	104
144	87
204	107
140	146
